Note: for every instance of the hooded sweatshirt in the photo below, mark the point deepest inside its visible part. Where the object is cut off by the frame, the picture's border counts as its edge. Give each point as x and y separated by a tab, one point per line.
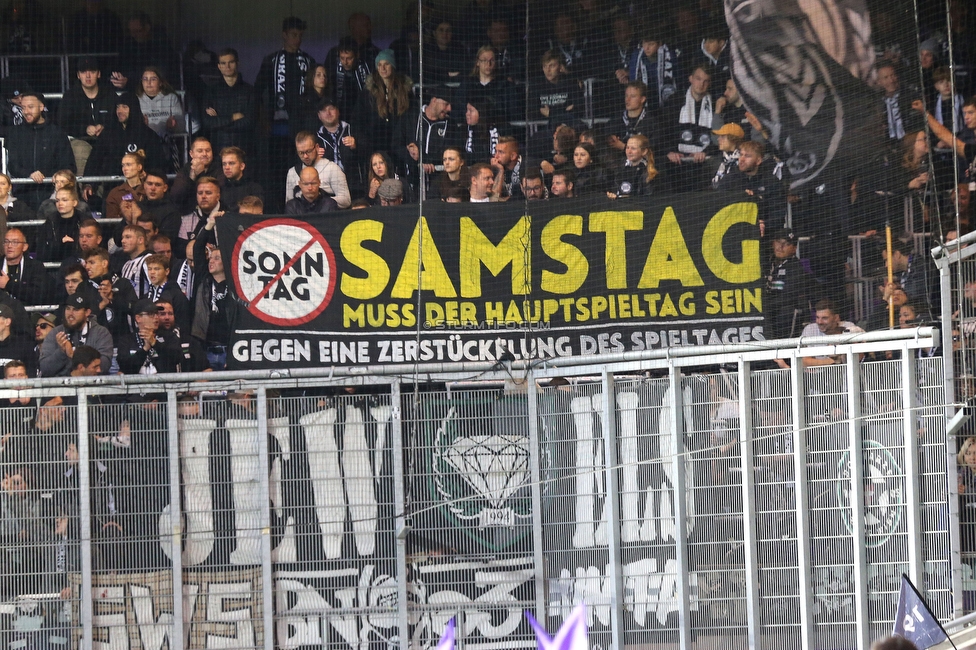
120	138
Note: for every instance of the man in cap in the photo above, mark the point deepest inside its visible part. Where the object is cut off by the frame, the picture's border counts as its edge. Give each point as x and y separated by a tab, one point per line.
790	289
15	346
85	110
423	134
730	136
142	352
335	138
59	345
310	200
390	192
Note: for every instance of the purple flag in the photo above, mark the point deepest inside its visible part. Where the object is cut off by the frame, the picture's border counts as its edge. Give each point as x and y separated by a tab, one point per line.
447	639
571	636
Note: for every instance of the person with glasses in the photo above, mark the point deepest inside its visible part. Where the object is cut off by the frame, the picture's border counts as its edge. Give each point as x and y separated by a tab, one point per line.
486	88
43	325
332	180
23	277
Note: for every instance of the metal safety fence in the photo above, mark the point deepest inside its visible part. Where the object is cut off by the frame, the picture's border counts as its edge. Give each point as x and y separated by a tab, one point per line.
684	501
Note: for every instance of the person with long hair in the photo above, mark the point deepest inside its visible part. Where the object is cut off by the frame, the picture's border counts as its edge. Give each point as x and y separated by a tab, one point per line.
915	160
317	89
380	169
486	87
15	210
159	103
386	99
635	177
455	174
482	131
133	170
591	176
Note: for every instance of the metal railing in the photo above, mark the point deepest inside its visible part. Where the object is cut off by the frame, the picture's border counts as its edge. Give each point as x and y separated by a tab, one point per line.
349	506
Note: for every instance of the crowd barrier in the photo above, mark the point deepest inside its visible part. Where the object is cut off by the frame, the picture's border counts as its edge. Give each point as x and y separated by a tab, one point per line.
353	507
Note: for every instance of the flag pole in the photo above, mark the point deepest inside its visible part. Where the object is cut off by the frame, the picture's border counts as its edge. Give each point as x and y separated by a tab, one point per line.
891	278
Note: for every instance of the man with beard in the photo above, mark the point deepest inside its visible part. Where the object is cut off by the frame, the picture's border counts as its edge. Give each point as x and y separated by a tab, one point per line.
755	180
208	204
194	356
36	149
237	184
202	164
127	133
331	177
135	253
424	134
59	346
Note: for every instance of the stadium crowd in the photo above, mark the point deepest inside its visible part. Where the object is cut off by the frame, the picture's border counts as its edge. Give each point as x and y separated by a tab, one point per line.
598	101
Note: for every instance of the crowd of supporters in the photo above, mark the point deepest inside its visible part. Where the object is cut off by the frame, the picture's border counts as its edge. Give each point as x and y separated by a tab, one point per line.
598	100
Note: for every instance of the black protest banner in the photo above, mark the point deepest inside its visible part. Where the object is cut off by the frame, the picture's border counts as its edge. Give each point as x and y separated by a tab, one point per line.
533	280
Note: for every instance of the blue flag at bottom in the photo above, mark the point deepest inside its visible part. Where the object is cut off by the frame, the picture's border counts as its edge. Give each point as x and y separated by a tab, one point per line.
914	621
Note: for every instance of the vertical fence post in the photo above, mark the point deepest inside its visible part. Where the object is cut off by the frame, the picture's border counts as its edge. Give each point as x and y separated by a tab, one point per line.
955	543
746	434
84	513
856	459
676	404
535	466
264	494
609	422
399	507
803	532
913	499
175	518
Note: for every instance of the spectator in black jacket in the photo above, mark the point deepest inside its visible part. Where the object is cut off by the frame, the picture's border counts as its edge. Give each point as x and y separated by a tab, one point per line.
162	288
59	238
23	277
15	346
237	184
755	180
183	191
85	110
115	293
141	352
36	149
310	200
127	133
230	109
15	209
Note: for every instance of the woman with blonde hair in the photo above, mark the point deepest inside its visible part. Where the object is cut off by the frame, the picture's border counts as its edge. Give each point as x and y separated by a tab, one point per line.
64	179
635	177
15	210
133	166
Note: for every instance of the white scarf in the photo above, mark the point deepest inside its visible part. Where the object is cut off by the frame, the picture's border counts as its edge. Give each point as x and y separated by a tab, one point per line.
687	116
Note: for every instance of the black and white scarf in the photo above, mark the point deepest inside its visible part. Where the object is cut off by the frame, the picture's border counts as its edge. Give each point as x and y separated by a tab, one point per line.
730	161
281	77
665	73
135	272
359	75
513	178
216	296
896	128
184	279
333	141
492	140
148	367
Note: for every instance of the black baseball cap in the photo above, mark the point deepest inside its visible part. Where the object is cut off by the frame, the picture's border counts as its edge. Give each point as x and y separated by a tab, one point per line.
144	306
784	233
77	301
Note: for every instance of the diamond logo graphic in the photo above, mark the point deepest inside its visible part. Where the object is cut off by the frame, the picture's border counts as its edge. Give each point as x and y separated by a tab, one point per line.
494	466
